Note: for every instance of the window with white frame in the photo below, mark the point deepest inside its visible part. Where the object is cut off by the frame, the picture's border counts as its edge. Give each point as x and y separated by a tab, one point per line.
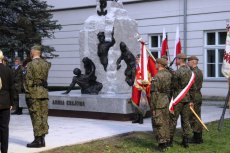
155	41
214	51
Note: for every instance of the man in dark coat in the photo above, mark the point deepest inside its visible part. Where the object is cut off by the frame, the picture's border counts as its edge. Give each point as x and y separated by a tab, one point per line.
6	102
18	84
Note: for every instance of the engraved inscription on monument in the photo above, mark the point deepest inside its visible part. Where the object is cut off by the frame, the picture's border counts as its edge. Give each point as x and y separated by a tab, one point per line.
69	102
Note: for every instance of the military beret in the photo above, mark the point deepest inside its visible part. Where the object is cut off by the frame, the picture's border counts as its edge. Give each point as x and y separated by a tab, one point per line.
193	58
165	57
162	61
37	47
181	56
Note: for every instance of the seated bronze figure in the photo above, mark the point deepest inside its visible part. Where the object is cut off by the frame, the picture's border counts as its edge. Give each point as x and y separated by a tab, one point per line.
87	82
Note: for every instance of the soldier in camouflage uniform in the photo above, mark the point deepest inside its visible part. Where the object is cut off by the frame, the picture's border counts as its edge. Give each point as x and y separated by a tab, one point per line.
181	78
195	124
18	84
160	89
37	96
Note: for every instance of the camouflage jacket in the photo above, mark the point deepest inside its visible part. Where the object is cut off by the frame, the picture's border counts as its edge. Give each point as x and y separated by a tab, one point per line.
160	89
181	79
197	85
36	79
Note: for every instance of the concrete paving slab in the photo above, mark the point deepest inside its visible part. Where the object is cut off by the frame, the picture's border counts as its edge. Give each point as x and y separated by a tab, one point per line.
68	131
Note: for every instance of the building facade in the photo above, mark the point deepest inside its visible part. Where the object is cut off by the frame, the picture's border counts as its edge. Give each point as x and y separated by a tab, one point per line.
202	31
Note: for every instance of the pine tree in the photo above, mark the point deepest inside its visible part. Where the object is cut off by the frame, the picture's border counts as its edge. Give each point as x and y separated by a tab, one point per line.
24	23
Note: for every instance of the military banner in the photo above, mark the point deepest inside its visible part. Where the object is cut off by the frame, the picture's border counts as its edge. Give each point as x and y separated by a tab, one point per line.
145	70
226	60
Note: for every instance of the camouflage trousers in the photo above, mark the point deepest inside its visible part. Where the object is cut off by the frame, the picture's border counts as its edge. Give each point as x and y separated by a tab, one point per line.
183	110
195	124
38	110
160	122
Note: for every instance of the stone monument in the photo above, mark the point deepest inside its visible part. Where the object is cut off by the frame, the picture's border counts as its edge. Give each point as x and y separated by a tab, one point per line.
116	22
107	38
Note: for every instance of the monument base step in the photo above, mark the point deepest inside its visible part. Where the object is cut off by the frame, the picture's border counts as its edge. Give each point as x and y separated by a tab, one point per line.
103	106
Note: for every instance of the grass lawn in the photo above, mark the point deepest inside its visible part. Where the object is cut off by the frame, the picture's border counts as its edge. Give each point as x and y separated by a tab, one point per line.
144	142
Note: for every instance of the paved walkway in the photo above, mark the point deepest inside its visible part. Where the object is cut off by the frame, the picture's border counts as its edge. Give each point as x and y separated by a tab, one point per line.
68	131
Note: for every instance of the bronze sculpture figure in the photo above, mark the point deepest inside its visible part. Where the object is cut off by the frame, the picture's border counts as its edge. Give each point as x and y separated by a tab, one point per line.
130	61
103	48
87	82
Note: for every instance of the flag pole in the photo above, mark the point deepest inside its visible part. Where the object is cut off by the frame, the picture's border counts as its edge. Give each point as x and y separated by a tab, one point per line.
221	121
141	40
202	123
225	73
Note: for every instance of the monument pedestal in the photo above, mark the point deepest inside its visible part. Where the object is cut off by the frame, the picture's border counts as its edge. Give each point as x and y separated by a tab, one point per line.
75	104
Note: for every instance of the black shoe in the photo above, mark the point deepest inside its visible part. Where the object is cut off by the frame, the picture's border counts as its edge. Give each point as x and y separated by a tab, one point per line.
43	141
163	147
19	111
137	119
185	142
141	121
37	143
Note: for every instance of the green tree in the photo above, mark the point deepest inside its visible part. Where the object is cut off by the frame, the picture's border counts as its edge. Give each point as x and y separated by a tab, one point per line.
24	23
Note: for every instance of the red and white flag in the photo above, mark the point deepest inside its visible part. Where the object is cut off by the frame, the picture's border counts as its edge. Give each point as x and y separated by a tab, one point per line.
226	60
182	94
177	43
144	63
146	69
164	45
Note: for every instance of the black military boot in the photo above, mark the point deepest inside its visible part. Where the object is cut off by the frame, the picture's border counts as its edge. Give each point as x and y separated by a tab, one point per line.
43	141
185	142
170	142
199	138
37	143
163	147
137	118
141	121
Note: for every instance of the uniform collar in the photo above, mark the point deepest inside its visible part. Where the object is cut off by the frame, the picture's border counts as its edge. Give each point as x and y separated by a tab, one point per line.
36	57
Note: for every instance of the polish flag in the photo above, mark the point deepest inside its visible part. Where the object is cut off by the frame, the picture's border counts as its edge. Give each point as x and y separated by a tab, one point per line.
164	45
177	43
